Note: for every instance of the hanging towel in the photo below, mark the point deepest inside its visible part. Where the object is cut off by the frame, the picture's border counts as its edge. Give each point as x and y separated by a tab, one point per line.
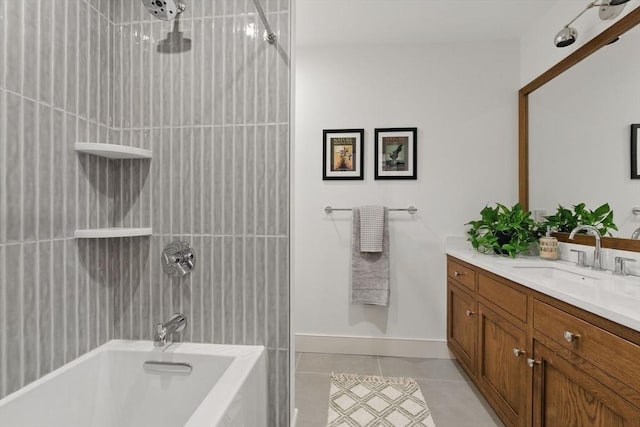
369	270
371	228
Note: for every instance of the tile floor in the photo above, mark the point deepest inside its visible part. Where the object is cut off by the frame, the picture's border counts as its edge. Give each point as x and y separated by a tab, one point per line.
454	401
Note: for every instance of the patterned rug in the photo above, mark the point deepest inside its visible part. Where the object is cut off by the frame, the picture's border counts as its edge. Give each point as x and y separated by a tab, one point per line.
367	401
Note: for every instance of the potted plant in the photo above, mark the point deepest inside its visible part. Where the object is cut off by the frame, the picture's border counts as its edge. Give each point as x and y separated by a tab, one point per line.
502	230
565	220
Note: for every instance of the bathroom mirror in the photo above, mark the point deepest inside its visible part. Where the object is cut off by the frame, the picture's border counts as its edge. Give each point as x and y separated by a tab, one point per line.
575	122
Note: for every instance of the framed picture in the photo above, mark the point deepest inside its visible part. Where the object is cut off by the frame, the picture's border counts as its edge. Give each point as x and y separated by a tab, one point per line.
635	161
342	154
396	153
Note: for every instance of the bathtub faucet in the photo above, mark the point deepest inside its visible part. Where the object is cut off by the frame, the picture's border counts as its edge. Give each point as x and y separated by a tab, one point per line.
176	324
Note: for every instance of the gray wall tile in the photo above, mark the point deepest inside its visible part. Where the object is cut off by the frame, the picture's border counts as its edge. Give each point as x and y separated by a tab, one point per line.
3	310
44	308
29	170
3	26
30	351
3	167
13	181
59	52
72	57
45	46
13	56
45	149
14	366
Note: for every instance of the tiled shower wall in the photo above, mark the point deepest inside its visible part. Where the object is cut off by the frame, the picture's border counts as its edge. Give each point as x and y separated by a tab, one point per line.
215	113
55	294
216	118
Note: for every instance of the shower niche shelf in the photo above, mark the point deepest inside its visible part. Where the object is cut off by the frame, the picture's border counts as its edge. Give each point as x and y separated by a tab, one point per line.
107	233
112	151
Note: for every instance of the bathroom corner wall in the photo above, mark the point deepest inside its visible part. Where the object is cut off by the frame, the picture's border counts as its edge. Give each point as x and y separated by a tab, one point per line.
216	118
55	291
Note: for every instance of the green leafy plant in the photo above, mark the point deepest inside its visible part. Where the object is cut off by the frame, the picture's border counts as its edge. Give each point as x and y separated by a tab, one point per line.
565	220
502	230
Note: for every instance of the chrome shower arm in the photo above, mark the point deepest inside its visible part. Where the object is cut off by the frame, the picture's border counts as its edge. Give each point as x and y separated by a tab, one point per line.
271	36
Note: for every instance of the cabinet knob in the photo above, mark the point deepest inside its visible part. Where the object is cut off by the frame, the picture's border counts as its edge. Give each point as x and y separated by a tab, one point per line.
532	362
470	313
517	352
458	273
570	336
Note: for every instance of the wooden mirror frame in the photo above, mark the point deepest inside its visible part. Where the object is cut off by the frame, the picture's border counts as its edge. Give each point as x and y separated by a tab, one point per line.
616	30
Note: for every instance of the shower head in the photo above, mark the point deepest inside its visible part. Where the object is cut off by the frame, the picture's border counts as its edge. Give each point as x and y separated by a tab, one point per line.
166	10
565	37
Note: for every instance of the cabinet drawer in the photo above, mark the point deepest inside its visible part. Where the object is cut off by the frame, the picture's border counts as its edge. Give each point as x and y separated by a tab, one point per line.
461	274
615	355
504	296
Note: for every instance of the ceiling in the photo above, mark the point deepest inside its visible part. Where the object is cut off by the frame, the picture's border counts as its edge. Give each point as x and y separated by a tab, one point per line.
365	22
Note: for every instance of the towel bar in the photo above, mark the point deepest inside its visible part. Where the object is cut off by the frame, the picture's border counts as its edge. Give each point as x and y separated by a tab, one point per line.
411	209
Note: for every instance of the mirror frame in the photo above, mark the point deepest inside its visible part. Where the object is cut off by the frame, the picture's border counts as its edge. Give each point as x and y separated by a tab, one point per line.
625	24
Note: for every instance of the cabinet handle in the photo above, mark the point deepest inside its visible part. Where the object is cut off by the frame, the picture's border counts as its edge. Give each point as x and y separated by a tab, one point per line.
458	274
517	352
470	313
532	362
570	336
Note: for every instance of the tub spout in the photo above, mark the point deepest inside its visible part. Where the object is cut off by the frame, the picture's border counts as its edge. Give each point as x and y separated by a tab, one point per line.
165	330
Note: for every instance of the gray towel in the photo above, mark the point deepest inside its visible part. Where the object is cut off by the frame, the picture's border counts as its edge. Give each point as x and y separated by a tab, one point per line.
369	270
371	228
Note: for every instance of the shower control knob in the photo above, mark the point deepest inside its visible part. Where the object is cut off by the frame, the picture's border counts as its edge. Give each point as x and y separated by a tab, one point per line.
178	259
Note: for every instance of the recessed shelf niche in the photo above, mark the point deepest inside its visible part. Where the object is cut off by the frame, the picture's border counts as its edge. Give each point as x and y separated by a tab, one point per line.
114	152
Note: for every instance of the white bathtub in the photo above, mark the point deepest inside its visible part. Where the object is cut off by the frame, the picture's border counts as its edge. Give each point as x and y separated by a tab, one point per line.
109	387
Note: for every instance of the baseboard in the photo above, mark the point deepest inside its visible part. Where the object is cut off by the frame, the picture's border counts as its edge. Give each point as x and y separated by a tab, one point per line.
377	346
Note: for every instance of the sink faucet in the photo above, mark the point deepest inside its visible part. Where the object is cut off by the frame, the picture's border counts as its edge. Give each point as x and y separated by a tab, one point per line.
176	324
597	253
636	234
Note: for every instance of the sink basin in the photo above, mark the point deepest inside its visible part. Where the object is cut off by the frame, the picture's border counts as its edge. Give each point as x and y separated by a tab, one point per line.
553	273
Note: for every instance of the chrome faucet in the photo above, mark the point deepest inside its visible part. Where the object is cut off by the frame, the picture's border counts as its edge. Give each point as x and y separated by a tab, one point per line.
597	253
176	324
636	234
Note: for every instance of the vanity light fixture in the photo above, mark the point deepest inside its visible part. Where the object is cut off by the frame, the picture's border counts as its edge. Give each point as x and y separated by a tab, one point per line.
609	9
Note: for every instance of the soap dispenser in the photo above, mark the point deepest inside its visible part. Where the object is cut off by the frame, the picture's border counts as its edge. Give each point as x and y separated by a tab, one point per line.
548	246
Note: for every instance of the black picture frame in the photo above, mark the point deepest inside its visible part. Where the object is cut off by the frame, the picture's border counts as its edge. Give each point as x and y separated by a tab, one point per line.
635	130
342	154
405	141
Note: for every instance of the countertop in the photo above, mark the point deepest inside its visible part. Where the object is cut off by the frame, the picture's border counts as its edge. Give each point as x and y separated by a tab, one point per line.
616	298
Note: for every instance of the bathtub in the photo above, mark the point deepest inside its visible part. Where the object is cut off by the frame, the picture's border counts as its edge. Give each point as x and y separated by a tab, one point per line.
194	385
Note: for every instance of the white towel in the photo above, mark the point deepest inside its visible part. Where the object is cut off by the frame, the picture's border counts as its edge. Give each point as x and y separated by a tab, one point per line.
371	228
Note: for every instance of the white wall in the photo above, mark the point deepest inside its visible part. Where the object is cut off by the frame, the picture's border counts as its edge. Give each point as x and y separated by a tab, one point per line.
537	51
462	99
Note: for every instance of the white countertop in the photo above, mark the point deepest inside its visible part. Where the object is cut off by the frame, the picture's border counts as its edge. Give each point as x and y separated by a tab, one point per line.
616	298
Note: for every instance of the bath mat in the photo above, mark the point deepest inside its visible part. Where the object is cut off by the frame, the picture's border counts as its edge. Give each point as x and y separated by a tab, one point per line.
368	401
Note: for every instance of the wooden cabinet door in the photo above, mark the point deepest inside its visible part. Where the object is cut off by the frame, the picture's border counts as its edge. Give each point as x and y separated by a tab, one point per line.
462	326
565	395
502	371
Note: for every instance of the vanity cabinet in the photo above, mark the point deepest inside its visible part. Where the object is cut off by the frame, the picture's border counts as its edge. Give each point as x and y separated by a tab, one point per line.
567	394
539	361
502	368
462	326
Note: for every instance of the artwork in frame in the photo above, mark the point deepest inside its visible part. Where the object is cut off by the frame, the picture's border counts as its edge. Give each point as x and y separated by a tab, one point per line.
342	157
396	151
635	152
